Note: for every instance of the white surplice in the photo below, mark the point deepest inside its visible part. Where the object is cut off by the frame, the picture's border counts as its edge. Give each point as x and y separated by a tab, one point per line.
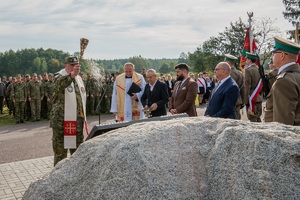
128	100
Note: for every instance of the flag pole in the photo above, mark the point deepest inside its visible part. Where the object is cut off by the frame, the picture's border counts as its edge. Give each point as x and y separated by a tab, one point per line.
250	15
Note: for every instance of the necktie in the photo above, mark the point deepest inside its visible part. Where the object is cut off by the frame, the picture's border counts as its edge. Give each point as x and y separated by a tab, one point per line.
179	85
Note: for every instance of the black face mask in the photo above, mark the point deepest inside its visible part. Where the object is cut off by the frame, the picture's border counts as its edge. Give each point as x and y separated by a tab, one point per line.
180	77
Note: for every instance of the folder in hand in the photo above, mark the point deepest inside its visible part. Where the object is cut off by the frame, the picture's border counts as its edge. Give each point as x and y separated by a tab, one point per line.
134	88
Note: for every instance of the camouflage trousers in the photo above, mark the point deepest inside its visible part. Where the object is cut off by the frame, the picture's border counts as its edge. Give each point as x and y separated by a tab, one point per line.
58	139
255	117
90	105
19	109
35	105
27	110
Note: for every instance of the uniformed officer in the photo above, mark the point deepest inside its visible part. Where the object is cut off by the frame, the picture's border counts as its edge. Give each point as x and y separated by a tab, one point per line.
283	101
27	104
18	96
67	118
272	76
44	102
34	96
253	94
238	77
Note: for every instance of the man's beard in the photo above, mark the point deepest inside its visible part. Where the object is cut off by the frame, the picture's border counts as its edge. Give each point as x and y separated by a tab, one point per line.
180	77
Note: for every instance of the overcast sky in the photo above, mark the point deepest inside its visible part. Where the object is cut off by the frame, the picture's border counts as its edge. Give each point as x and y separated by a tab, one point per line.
125	28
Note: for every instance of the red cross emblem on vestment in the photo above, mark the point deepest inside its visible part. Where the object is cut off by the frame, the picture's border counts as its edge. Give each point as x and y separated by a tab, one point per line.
70	128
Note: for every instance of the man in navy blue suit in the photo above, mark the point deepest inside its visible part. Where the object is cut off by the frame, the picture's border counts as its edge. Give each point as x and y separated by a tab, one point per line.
155	95
225	95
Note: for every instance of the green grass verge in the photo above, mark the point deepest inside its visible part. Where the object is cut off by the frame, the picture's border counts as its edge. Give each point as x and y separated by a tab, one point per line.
6	119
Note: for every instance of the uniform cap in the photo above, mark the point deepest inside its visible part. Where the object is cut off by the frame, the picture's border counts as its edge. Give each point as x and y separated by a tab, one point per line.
27	75
251	55
18	76
231	58
50	74
34	74
71	60
286	45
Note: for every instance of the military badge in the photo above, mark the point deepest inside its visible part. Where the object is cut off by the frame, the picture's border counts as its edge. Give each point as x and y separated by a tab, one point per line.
70	88
82	90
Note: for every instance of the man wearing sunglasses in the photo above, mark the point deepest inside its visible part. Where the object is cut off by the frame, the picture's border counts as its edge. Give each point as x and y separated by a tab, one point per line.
283	101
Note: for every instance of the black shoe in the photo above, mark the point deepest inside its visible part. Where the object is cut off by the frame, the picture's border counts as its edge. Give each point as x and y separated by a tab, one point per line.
22	121
38	119
17	122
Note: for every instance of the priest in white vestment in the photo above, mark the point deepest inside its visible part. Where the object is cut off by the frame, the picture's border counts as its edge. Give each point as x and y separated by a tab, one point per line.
124	106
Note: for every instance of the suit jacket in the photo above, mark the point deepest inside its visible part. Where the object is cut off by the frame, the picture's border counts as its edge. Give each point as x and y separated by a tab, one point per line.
252	78
223	100
184	99
158	95
283	101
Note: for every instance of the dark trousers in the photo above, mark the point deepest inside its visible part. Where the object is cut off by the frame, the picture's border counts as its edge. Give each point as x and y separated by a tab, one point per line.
1	104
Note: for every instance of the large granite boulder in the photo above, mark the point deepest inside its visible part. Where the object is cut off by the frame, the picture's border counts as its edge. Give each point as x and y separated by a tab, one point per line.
187	158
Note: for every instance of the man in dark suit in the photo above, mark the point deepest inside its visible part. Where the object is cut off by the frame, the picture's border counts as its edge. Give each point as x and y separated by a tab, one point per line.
155	95
184	93
225	95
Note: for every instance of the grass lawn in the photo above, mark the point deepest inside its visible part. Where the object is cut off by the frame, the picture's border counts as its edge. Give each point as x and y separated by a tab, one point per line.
6	119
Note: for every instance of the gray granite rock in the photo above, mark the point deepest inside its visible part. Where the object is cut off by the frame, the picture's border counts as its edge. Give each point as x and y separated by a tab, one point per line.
187	158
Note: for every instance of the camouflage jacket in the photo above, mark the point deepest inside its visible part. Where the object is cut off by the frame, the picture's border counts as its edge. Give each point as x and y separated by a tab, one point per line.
58	109
34	89
18	92
49	89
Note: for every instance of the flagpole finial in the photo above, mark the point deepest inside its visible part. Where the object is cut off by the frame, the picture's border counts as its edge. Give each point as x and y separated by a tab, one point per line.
250	15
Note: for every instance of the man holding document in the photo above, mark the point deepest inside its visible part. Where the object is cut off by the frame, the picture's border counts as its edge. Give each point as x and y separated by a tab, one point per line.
126	97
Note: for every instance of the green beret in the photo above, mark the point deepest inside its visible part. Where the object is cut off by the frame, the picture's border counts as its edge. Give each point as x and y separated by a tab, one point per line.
71	60
231	58
251	56
286	45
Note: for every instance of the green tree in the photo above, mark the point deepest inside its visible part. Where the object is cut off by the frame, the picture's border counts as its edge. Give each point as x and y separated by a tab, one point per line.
292	11
139	63
164	68
183	58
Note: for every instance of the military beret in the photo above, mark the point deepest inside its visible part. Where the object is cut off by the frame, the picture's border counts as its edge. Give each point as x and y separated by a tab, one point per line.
286	45
231	58
71	60
251	55
34	74
182	66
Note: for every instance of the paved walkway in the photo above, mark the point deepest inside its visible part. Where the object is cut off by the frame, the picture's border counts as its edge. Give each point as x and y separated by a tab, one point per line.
15	177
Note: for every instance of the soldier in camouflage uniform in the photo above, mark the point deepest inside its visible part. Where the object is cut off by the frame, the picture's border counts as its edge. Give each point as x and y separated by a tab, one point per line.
108	95
18	96
8	95
98	88
34	94
27	104
90	91
44	102
63	80
49	94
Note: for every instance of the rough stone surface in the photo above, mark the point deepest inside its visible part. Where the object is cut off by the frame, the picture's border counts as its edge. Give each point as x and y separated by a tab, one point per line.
187	158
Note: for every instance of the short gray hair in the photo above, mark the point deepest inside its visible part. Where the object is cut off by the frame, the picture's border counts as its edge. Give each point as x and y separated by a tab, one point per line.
152	71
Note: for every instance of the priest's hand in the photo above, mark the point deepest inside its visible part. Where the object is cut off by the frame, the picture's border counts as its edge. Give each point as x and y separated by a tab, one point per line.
76	70
134	97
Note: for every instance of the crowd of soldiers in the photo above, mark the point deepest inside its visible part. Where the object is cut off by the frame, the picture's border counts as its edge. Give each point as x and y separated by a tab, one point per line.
29	98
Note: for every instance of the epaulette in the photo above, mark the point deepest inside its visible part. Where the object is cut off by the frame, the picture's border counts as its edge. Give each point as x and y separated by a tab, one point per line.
281	75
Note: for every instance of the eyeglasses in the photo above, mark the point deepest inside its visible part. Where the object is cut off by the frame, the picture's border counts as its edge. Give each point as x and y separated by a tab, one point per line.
273	53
